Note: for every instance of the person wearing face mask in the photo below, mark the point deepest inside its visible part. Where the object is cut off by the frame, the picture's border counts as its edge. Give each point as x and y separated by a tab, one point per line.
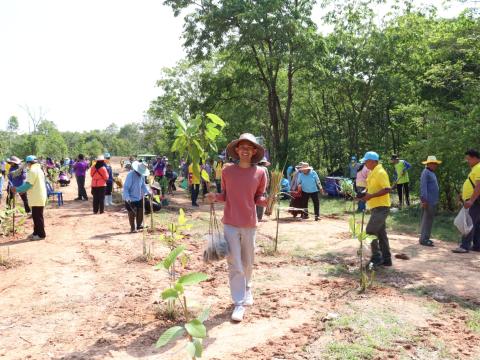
243	188
36	190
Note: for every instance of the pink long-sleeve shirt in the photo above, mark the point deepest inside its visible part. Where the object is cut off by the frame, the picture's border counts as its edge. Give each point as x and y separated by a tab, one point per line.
242	189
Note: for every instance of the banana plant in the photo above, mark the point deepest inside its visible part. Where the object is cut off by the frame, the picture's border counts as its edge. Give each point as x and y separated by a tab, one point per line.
367	276
196	138
194	328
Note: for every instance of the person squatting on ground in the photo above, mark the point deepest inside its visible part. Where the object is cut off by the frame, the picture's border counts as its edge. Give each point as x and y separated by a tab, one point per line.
309	185
37	194
263	164
80	168
378	201
134	191
243	187
109	185
16	178
171	177
471	201
429	197
99	175
401	179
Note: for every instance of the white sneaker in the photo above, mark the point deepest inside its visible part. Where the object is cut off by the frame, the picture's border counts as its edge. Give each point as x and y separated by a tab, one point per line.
238	313
248	298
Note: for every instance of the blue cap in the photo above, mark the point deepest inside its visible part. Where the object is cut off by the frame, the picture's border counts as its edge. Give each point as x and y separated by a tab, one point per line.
107	155
354	157
371	155
31	158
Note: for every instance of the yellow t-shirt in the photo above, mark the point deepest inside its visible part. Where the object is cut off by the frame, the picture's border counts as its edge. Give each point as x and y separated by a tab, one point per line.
378	180
195	180
474	175
37	195
218	171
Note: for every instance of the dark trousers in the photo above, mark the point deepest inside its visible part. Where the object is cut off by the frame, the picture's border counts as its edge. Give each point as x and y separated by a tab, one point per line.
218	183
473	236
316	202
377	227
428	213
38	222
82	193
98	199
403	189
171	185
135	212
109	188
195	189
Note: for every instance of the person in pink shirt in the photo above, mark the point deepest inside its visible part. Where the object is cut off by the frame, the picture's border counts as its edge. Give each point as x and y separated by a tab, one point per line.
243	188
361	183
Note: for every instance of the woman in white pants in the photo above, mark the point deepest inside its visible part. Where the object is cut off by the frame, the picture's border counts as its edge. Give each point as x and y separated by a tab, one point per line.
243	188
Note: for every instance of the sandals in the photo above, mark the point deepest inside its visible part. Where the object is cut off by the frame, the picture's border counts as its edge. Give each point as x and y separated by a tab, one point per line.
460	250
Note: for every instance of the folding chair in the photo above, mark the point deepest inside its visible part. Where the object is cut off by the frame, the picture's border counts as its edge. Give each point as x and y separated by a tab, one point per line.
52	193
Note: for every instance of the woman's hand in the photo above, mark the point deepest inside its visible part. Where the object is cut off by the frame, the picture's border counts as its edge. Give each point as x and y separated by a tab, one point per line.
211	198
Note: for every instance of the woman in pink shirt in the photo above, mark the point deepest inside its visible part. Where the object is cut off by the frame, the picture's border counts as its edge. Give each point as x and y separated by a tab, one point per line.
243	188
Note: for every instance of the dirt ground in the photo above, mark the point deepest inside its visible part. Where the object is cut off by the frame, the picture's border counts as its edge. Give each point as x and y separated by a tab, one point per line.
86	293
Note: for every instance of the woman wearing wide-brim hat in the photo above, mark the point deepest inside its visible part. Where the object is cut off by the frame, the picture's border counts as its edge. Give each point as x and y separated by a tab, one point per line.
16	178
243	187
99	175
134	191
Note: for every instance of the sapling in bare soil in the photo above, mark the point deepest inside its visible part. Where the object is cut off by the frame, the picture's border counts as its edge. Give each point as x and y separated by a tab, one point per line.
193	327
367	275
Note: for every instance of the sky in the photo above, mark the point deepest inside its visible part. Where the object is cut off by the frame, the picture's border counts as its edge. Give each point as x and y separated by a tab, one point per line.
88	63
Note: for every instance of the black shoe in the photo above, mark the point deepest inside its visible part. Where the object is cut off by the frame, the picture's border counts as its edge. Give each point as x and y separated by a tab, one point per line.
195	205
141	227
133	230
317	218
387	262
85	199
426	243
78	199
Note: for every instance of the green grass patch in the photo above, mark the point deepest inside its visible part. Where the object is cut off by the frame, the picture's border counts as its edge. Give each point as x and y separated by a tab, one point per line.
473	323
348	351
371	329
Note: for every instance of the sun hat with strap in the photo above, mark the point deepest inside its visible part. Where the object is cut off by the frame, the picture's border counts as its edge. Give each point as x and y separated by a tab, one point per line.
431	159
253	141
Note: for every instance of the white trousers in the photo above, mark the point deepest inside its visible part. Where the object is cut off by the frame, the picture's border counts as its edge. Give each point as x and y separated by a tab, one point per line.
241	242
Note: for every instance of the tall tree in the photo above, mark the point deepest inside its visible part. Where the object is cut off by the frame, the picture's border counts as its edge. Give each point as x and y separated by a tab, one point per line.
277	38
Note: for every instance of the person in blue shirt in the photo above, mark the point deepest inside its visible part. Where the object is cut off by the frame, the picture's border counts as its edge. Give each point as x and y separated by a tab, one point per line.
429	196
134	191
310	186
16	178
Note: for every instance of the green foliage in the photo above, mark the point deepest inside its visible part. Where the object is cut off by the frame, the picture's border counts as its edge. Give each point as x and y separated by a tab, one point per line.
196	138
367	276
12	220
194	328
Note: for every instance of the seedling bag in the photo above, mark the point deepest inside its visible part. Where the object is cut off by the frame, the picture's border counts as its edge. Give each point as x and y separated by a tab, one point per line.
463	222
216	244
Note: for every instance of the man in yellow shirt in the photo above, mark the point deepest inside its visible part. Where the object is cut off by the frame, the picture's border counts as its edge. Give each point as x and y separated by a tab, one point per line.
471	201
36	190
378	201
194	182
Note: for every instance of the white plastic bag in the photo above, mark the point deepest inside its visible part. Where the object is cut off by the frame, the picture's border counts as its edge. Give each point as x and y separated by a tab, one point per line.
217	246
463	222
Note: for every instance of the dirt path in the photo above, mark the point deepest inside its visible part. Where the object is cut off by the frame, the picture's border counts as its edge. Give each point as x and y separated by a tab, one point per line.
83	293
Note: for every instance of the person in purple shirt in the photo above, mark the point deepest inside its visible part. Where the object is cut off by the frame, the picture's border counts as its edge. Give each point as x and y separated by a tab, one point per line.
80	167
